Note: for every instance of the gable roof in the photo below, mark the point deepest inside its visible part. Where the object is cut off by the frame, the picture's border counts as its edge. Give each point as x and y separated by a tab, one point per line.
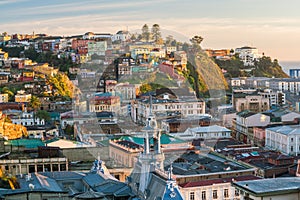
210	129
286	130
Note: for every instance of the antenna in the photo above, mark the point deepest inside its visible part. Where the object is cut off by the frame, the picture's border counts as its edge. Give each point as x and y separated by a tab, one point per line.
150	104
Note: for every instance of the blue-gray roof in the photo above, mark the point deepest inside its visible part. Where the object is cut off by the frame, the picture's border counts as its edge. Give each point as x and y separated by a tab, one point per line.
272	185
286	130
40	182
93	179
111	187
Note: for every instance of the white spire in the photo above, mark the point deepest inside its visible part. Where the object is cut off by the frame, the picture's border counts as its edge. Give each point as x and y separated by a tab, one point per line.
170	171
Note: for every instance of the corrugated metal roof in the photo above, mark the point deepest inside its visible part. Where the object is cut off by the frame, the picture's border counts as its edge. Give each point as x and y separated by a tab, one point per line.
28	143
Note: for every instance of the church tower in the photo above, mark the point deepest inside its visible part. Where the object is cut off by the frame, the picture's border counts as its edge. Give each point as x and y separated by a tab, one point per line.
152	158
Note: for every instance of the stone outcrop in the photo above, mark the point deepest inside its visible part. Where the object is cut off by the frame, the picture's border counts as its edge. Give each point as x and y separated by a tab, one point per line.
11	131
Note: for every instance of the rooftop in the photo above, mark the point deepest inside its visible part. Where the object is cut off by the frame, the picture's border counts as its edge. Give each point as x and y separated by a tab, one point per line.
286	130
218	181
27	143
210	129
194	163
267	186
164	138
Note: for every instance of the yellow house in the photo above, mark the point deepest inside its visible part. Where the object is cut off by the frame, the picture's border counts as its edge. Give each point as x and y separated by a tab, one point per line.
5	37
28	62
21	96
3	54
28	74
84	58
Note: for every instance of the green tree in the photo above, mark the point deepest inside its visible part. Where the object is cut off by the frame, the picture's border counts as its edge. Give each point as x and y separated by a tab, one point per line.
145	33
6	90
35	103
196	41
69	131
42	114
7	119
145	88
133	37
156	34
62	86
31	53
169	40
13	51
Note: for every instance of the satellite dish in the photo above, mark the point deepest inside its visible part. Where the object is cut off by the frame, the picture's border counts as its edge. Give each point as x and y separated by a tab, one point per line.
31	186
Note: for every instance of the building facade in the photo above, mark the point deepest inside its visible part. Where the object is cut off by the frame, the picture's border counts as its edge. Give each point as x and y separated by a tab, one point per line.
141	108
245	122
248	55
285	139
105	103
254	103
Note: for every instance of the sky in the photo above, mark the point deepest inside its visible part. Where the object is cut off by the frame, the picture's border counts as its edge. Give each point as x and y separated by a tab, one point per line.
273	26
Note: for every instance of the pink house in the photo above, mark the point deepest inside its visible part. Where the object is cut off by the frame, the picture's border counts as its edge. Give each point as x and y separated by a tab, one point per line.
259	136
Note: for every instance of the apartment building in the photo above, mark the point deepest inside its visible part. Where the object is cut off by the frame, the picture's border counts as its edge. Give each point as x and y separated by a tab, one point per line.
105	103
254	103
245	122
248	55
140	108
275	98
285	139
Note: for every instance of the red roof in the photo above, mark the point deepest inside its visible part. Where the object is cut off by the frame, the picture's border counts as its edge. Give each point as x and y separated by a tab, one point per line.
218	181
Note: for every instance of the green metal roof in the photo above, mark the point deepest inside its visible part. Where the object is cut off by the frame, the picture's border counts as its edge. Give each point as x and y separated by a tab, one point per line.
27	143
164	139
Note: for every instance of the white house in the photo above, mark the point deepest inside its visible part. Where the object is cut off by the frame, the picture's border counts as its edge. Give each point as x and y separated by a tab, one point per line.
121	36
26	119
205	132
248	55
284	138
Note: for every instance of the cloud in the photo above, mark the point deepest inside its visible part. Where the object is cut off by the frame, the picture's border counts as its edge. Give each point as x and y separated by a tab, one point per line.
88	6
2	2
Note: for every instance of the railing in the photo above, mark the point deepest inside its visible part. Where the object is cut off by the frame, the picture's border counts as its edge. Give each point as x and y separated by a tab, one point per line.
37	160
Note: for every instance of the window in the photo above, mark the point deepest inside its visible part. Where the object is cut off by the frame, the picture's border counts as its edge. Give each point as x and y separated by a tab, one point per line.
215	194
292	139
292	148
192	195
203	195
226	195
236	193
